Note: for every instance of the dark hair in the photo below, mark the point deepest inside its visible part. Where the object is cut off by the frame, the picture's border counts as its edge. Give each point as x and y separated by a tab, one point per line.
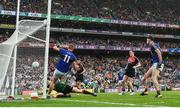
132	49
150	37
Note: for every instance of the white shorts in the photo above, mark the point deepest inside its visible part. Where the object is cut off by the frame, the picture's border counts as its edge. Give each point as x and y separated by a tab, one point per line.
120	81
58	74
155	65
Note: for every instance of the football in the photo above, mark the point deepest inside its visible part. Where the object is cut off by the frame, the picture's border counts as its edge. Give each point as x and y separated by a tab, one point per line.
35	64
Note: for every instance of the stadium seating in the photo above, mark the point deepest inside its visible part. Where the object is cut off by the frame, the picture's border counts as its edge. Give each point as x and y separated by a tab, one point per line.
164	11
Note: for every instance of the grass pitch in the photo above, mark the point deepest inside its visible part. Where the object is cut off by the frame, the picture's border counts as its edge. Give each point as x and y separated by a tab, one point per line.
169	99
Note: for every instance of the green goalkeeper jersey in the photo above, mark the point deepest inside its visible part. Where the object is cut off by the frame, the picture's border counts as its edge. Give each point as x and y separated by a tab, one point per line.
60	86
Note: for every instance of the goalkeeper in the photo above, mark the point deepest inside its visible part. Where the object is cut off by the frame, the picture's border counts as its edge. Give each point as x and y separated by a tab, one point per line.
61	89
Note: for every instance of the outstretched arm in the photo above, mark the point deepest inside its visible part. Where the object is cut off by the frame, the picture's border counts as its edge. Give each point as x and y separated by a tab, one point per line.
56	48
138	65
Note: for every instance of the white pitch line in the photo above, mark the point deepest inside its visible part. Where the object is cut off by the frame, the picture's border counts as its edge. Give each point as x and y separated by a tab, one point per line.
112	103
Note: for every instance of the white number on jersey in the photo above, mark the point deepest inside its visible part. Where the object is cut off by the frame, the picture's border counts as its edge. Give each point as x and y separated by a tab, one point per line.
66	58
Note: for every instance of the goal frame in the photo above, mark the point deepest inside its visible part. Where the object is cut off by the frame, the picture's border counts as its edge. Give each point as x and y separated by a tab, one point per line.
48	23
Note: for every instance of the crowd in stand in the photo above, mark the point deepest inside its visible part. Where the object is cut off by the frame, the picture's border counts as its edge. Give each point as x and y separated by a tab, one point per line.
99	70
106	41
102	70
165	11
109	41
27	77
3	37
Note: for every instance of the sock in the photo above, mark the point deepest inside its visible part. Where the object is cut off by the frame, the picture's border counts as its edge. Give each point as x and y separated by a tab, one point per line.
145	90
123	89
129	90
132	90
144	79
158	92
158	89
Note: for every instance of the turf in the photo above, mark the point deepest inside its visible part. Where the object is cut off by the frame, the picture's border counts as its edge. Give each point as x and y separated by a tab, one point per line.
170	99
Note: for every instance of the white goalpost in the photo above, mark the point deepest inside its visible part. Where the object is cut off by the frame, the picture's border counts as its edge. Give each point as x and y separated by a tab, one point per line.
47	47
15	47
28	43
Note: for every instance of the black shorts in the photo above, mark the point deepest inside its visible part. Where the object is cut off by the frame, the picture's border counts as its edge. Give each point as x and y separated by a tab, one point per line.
130	73
79	77
67	90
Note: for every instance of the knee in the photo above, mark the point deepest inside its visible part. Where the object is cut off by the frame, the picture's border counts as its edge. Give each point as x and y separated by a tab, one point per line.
54	80
154	79
123	82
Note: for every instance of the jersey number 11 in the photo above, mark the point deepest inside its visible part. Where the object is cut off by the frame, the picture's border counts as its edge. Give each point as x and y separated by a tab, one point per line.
66	58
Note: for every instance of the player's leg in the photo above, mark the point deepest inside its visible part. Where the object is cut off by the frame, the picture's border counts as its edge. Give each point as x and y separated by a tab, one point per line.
147	74
81	77
123	82
83	91
55	94
61	95
130	81
56	76
128	86
155	74
146	81
78	84
147	85
52	83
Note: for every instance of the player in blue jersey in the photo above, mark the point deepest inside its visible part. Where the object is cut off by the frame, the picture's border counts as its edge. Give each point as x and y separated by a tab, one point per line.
156	67
65	62
121	74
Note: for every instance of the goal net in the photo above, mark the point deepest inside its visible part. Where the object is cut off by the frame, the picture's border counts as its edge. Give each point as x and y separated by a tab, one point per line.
31	42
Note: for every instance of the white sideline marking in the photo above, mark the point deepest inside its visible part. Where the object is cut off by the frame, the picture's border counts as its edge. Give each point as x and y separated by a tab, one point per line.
112	103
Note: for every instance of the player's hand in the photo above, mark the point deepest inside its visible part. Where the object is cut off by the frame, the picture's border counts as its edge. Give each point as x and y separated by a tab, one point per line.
55	48
134	67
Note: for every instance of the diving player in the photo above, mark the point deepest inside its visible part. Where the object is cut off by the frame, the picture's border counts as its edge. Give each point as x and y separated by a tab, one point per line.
156	67
62	89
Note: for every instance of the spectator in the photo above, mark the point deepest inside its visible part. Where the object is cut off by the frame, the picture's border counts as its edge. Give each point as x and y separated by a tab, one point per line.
163	11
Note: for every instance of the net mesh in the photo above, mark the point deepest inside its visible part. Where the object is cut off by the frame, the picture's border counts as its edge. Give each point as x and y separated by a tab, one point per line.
30	48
